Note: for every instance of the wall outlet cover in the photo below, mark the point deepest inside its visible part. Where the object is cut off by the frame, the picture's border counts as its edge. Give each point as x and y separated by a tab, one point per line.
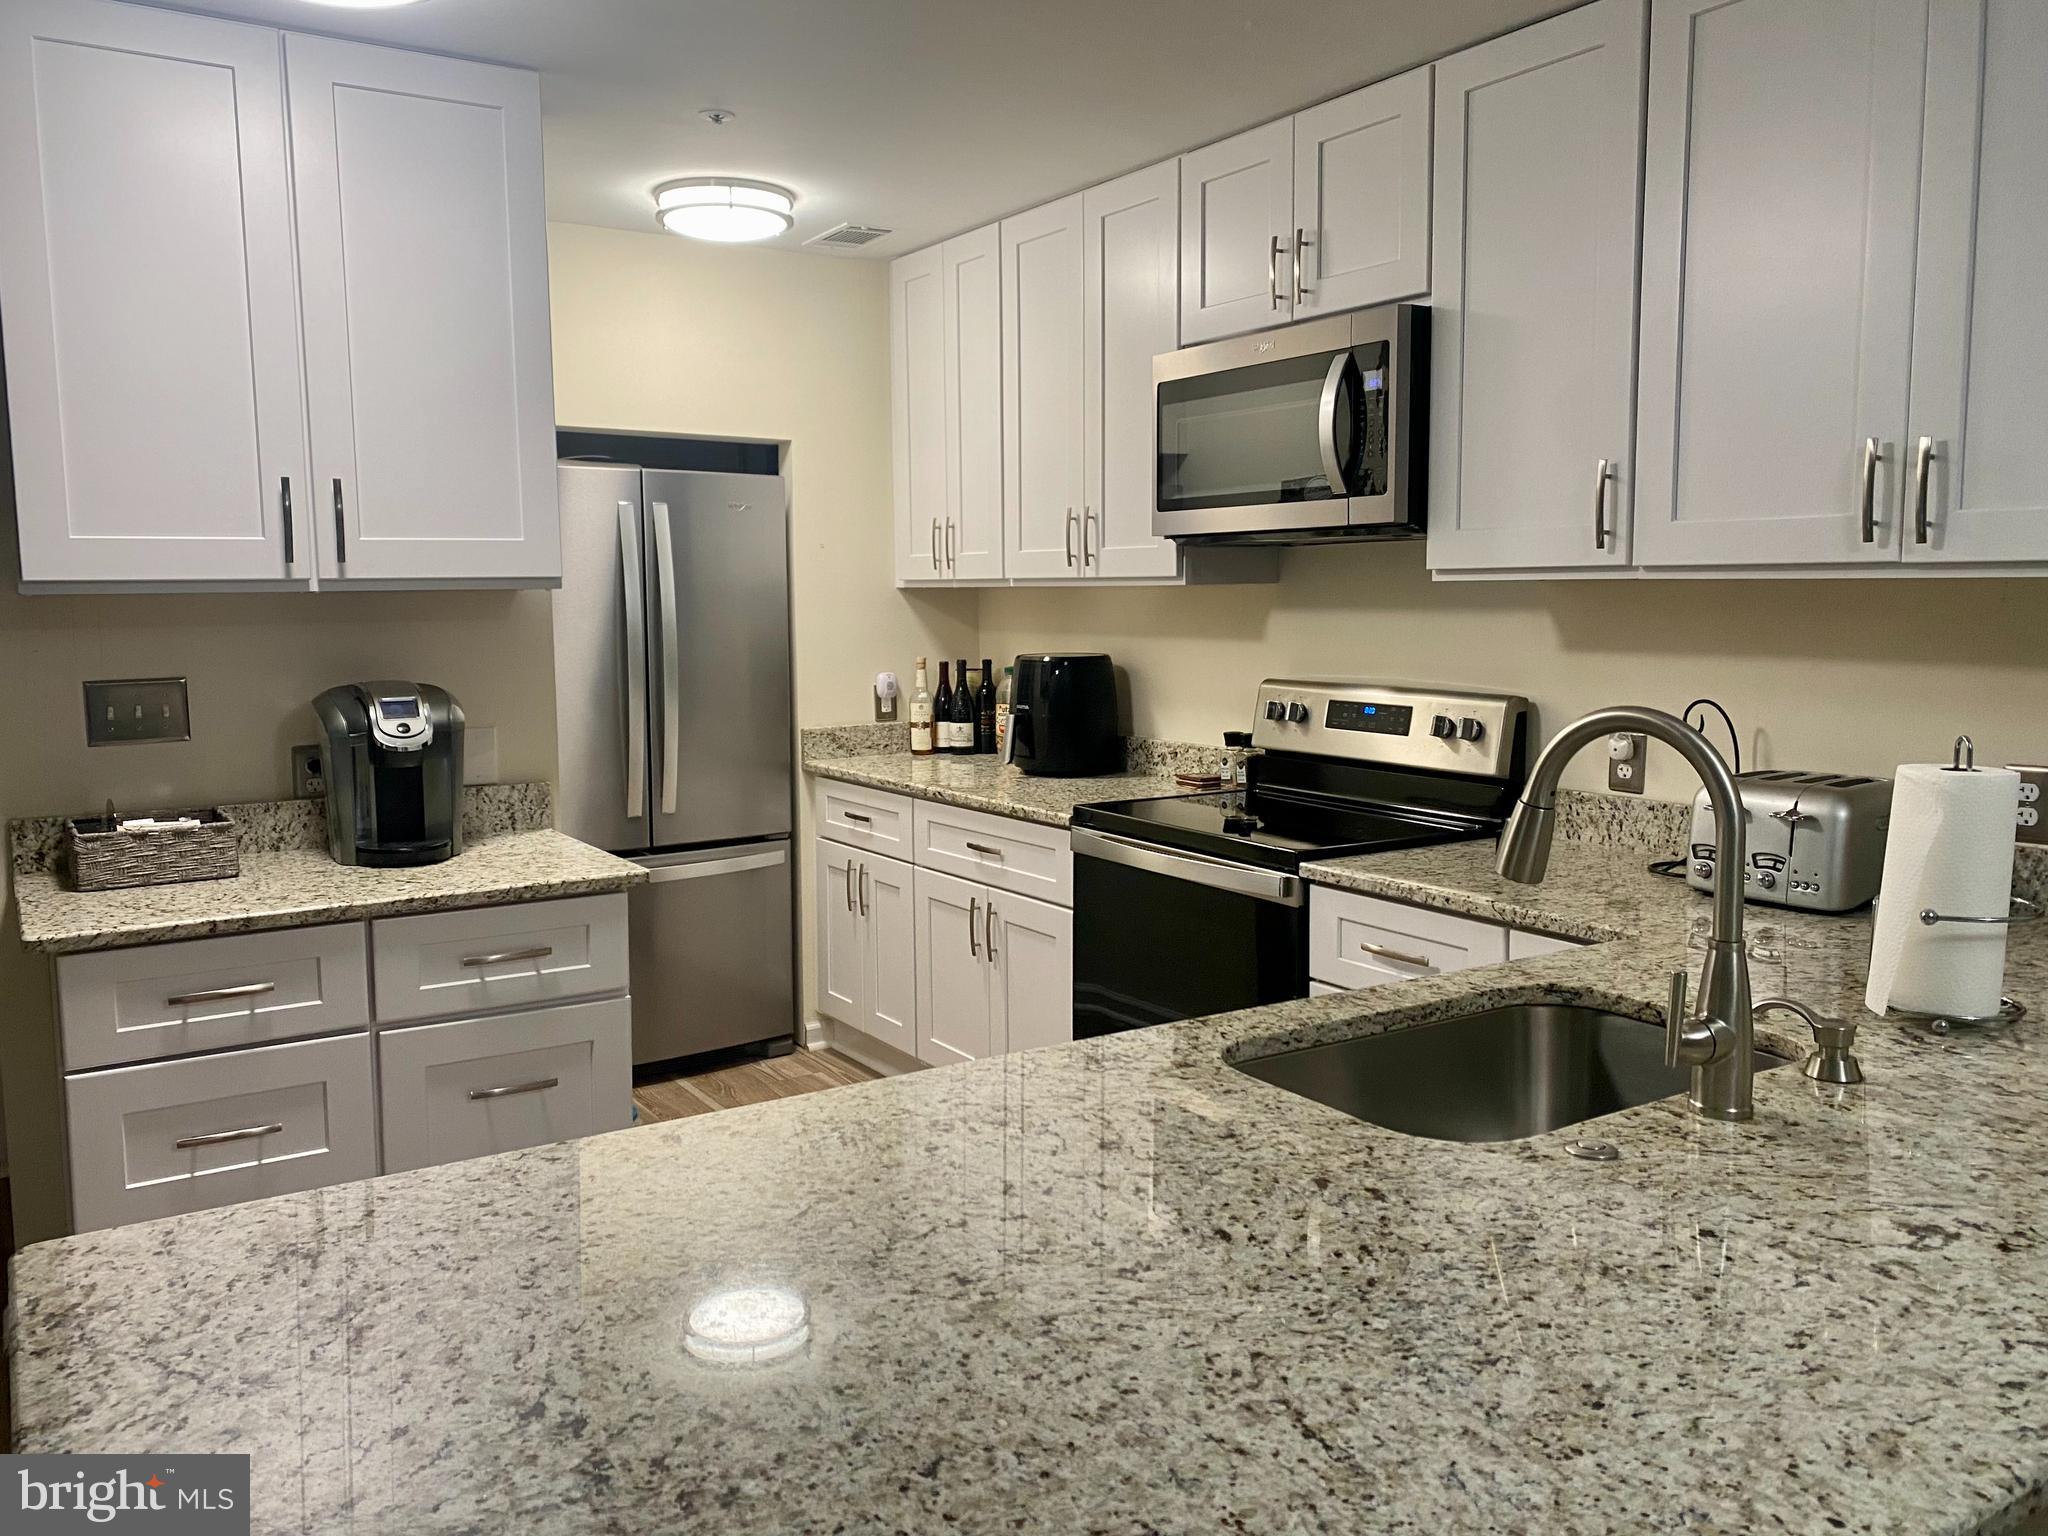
1626	774
309	781
2033	827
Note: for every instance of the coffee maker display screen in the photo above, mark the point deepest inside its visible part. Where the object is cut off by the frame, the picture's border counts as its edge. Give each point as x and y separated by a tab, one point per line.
399	709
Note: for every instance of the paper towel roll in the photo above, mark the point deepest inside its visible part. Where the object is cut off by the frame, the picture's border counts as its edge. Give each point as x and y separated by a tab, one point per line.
1950	849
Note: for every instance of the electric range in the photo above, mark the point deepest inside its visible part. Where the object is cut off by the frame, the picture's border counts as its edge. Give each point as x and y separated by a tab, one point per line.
1190	905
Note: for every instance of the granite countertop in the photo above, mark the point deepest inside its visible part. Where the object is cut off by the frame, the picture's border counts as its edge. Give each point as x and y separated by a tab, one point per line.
1116	1286
983	784
294	887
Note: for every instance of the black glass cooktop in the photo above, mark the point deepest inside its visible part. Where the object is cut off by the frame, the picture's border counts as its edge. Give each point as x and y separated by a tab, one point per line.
1272	831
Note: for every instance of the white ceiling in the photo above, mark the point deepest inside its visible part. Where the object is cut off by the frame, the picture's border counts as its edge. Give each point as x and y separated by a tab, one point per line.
925	116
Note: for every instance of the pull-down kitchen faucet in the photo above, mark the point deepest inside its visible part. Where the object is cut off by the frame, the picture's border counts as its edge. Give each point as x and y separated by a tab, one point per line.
1719	1045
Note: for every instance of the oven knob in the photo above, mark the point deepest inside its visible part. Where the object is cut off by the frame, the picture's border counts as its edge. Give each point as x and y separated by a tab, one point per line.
1470	729
1275	710
1767	880
1443	725
1297	711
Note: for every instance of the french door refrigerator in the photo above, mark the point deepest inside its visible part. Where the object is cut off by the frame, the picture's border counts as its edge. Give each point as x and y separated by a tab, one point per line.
674	724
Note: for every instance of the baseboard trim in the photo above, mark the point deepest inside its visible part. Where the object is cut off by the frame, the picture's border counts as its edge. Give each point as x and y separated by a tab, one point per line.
866	1050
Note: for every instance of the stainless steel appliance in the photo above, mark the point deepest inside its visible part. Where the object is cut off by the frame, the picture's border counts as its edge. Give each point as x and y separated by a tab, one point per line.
393	764
1194	904
1816	840
1063	715
674	733
1309	432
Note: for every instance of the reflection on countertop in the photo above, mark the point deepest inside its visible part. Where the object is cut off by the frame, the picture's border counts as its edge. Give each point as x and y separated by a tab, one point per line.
984	784
1117	1285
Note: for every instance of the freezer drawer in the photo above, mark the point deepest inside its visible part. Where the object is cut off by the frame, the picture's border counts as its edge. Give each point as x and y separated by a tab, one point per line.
713	950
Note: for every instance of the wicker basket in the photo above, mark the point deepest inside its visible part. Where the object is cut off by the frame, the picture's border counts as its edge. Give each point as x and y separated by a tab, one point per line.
106	858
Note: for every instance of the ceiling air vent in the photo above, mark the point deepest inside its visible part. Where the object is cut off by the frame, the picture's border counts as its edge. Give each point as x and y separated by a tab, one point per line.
846	237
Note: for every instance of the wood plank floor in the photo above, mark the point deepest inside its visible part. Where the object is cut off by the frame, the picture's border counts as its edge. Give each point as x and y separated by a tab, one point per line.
746	1082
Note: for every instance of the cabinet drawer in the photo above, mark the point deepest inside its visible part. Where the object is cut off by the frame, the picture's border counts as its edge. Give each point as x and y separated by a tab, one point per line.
123	1005
862	817
176	1136
998	851
499	957
1361	941
476	1086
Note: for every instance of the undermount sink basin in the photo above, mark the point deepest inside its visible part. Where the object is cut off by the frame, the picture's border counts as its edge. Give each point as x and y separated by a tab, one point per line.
1499	1075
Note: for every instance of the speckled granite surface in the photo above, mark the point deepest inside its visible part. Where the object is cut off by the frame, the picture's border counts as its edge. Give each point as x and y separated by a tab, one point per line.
822	741
1117	1286
983	784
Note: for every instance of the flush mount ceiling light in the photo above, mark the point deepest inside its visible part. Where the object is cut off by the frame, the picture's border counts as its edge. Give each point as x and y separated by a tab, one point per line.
723	208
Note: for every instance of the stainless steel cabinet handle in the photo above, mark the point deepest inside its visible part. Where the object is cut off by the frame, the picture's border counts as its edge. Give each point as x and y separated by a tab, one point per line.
1602	473
507	956
215	1138
1070	538
857	816
973	917
671	659
937	564
632	582
1923	456
863	890
994	853
1300	239
1273	271
1402	956
951	561
284	505
1087	527
989	933
1873	455
340	529
220	994
538	1085
849	887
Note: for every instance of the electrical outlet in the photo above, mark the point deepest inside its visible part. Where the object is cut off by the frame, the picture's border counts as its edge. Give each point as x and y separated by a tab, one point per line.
308	782
2033	804
1626	762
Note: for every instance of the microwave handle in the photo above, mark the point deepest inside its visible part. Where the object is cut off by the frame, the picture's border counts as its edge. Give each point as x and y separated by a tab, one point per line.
1326	423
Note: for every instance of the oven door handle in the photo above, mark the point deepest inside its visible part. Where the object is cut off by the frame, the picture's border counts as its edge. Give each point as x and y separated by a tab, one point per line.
1218	874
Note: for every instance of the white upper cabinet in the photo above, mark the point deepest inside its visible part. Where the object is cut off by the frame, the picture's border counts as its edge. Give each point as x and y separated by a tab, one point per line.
1361	198
1042	390
1980	329
1236	229
917	415
1538	155
1130	303
152	326
423	260
1779	213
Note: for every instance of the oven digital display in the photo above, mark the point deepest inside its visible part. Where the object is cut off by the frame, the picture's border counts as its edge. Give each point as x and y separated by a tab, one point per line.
1379	719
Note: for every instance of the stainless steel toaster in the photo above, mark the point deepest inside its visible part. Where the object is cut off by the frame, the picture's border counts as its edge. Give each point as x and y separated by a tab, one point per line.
1815	840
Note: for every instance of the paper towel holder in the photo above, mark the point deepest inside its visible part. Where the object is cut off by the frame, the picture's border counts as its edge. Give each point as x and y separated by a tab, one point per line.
1965	758
2010	1011
2023	911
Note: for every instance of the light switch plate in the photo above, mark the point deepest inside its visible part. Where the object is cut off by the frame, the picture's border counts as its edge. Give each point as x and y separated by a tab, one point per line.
2033	826
123	710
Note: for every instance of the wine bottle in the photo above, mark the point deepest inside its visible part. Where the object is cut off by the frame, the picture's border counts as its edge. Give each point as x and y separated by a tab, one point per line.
963	713
942	711
1003	710
985	710
923	738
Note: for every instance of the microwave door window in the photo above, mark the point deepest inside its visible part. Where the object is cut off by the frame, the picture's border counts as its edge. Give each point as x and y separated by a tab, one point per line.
1249	437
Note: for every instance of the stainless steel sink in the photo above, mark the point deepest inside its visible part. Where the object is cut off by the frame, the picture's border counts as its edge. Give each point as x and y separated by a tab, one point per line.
1493	1076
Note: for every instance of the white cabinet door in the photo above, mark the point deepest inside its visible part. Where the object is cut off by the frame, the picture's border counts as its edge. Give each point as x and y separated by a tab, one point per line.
1533	298
1366	941
887	906
974	321
1781	179
1980	330
1032	972
1042	390
1130	304
842	935
423	266
1361	198
152	327
955	1011
917	410
1236	225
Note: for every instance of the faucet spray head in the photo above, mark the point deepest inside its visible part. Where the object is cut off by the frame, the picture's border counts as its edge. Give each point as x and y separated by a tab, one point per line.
1524	855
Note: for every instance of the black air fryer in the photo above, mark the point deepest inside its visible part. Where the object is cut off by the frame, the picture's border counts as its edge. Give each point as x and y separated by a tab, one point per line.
1063	715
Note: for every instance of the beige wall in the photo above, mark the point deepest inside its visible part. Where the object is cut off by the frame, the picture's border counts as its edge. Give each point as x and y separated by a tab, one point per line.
1849	675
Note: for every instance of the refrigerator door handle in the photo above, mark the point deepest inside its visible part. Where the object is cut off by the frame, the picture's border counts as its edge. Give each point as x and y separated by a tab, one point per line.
634	580
671	659
704	869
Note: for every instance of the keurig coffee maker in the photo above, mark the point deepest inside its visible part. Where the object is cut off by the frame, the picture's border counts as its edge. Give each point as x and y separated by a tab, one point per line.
393	764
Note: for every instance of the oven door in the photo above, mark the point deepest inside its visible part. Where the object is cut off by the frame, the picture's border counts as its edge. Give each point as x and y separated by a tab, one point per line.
1161	935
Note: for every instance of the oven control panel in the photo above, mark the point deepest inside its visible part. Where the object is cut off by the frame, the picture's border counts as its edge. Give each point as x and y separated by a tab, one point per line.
1398	725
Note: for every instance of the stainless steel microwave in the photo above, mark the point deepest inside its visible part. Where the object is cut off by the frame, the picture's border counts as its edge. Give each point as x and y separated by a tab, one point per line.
1309	432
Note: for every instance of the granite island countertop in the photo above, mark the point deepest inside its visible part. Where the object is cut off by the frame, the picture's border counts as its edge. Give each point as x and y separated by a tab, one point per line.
1116	1286
983	784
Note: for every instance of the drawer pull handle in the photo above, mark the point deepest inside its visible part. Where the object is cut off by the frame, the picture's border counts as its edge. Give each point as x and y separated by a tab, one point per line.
994	853
1395	954
215	1138
220	994
538	1085
856	816
506	957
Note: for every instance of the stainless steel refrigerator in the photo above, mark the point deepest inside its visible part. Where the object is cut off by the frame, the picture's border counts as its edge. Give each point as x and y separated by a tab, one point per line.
673	712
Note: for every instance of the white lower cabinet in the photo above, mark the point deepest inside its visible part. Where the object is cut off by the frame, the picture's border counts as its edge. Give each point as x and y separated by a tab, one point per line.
168	1137
867	954
995	972
1357	941
471	1087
